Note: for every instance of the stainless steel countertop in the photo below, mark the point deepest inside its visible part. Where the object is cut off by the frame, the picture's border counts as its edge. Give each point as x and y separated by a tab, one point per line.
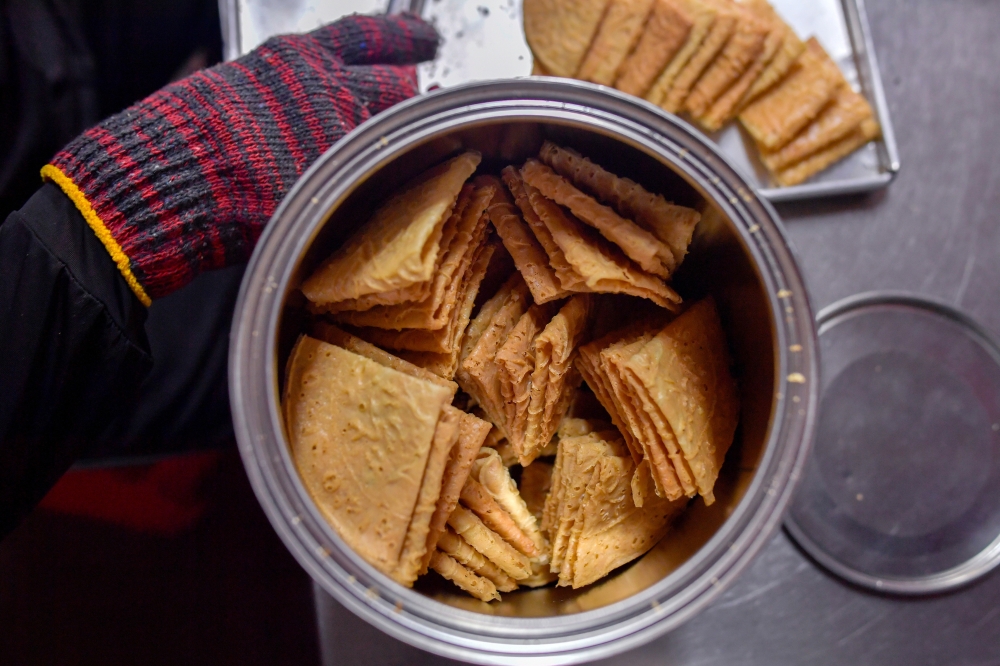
934	231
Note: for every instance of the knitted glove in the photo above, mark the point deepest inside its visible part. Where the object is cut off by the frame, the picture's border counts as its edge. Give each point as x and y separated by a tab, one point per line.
185	180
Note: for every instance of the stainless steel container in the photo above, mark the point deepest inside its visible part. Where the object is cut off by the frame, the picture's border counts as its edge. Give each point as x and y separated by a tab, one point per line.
740	255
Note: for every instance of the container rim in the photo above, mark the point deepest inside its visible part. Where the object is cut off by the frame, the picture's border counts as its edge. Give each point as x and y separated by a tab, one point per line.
409	615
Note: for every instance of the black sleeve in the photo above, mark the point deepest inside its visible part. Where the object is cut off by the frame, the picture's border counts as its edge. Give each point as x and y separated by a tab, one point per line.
73	350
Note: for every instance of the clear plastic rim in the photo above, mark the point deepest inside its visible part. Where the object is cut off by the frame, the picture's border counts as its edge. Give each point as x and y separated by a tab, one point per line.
408	615
942	581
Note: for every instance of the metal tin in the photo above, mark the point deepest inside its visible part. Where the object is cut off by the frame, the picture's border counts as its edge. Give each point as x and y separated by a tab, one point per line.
899	494
740	255
483	39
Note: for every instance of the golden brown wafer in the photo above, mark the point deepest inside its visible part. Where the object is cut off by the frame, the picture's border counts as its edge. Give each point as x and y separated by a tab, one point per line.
789	51
736	57
494	476
475	497
702	18
516	363
672	224
559	31
569	280
459	548
528	255
446	364
397	248
725	107
335	336
638	244
869	130
478	374
477	586
364	476
617	35
685	368
841	116
415	547
662	38
777	116
460	243
472	432
551	380
489	543
602	265
720	32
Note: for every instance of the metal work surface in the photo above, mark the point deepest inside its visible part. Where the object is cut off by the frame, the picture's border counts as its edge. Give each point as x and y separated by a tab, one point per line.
935	232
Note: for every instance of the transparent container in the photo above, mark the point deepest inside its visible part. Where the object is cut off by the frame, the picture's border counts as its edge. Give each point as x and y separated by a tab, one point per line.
740	255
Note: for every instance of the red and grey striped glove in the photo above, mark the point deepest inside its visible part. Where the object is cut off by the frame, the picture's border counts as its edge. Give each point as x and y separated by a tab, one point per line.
185	180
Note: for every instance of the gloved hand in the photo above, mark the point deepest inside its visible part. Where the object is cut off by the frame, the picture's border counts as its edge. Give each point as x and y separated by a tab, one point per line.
185	180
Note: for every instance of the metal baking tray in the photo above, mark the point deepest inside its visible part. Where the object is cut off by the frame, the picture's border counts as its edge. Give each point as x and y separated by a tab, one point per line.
483	39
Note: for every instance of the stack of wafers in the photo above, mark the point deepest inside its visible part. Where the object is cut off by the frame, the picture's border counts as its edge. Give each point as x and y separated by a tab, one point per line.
712	60
577	228
408	279
379	447
600	512
810	120
669	392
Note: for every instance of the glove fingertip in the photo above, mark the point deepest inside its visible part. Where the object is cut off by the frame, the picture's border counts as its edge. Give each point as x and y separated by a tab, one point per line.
392	40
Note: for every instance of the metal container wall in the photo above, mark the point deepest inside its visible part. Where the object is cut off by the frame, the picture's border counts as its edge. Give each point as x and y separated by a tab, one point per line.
740	256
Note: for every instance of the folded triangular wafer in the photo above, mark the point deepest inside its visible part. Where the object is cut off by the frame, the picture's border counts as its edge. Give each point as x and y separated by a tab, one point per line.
516	361
494	476
331	334
393	255
559	31
575	463
740	52
787	54
364	474
569	280
685	369
602	266
528	255
664	35
441	340
445	364
553	380
702	19
489	543
612	529
478	372
671	480
778	115
718	35
472	433
672	224
478	586
842	115
415	547
617	35
462	238
639	245
459	548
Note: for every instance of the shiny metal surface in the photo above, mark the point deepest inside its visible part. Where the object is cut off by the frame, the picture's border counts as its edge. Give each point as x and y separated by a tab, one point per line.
739	256
483	40
934	232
